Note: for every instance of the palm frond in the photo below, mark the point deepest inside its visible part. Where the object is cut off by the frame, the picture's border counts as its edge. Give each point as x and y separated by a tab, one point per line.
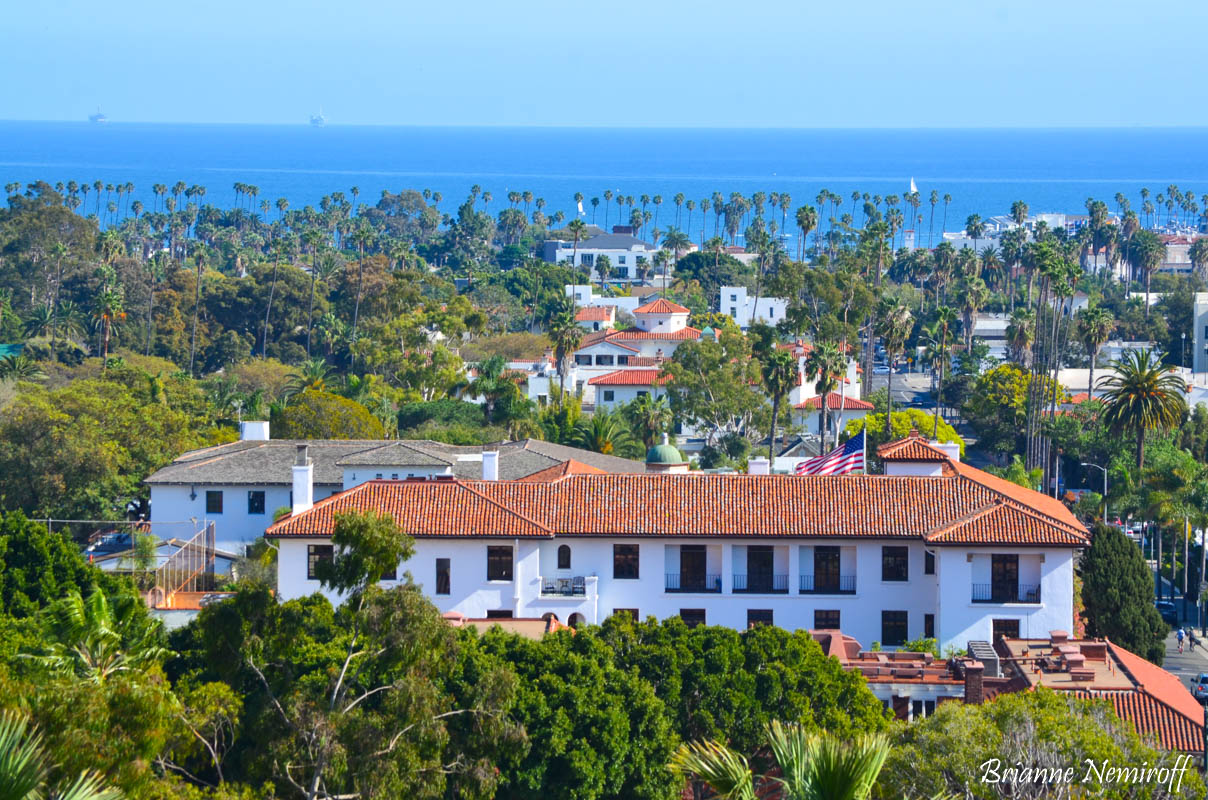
725	771
22	763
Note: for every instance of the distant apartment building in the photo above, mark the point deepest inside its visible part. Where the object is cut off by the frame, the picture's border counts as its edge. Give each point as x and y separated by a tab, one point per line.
622	249
745	309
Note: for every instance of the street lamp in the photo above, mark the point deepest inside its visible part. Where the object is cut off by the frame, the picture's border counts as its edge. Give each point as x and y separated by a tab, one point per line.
1183	355
1104	471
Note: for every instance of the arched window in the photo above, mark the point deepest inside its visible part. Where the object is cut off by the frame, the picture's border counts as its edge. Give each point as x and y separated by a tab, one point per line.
563	556
575	620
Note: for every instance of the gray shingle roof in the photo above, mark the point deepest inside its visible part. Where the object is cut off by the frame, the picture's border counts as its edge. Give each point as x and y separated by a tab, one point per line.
614	241
269	463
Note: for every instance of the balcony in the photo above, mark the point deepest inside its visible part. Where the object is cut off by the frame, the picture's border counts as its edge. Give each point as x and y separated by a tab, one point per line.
1006	593
564	587
761	584
845	585
692	583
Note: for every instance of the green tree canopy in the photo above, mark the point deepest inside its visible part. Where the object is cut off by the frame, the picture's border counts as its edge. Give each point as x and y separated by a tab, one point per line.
1117	591
323	415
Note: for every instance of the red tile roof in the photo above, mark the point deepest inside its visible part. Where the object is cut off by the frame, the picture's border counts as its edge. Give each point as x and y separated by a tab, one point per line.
1081	397
559	471
687	332
913	448
1021	496
662	306
595	314
631	377
859	506
834	400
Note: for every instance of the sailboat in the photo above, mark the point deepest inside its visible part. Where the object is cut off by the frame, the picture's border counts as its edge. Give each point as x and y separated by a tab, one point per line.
318	120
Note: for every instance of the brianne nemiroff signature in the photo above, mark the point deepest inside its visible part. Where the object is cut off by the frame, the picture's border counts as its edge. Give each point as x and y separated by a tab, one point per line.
1089	771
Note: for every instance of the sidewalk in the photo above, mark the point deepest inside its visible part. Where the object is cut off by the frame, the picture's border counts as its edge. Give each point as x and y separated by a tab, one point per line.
1188	664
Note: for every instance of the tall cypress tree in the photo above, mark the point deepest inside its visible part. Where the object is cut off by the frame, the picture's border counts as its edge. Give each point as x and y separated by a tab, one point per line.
1117	590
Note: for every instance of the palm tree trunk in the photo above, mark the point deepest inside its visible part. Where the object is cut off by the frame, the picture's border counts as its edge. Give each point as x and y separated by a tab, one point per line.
196	310
310	313
775	417
269	310
150	308
889	397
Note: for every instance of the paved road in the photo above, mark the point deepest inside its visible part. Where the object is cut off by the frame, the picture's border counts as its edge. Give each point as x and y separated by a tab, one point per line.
1188	664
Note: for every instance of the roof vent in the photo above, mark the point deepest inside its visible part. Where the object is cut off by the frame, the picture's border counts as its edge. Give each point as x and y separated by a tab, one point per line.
986	654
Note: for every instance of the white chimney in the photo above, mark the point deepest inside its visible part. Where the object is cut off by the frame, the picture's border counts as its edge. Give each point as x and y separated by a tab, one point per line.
490	465
758	466
953	449
253	431
304	481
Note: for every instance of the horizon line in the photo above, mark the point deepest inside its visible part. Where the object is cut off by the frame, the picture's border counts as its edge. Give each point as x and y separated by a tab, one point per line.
539	126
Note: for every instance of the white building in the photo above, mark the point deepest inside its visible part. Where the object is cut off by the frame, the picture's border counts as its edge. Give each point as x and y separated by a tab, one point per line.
596	318
933	549
626	385
742	307
622	249
241	484
808	413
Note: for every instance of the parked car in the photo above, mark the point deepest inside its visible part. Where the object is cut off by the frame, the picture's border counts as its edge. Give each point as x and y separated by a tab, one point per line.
880	369
1199	687
1168	611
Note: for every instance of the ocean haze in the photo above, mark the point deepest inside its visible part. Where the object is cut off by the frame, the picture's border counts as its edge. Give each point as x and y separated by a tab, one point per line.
983	170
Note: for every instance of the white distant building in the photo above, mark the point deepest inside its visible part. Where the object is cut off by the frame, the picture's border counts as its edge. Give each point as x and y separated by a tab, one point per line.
596	318
1198	359
742	307
622	249
934	548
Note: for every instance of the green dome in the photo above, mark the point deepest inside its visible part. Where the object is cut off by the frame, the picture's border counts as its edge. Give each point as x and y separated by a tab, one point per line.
708	333
664	454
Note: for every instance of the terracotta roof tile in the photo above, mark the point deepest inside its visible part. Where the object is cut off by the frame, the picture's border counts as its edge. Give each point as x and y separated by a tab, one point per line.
1153	718
559	471
1022	496
687	332
595	314
912	448
662	306
855	506
834	400
631	377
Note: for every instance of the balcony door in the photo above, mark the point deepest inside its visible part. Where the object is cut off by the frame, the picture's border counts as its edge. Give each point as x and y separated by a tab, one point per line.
692	568
759	568
1004	578
826	569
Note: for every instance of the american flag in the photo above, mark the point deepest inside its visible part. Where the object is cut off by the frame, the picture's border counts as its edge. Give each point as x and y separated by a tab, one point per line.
846	458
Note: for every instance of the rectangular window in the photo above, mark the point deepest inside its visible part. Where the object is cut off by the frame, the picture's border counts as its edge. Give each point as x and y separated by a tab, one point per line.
733	298
314	554
620	259
733	311
895	563
213	502
587	259
929	626
921	709
391	575
622	361
893	628
604	361
609	395
443	582
499	563
826	620
625	562
642	392
692	616
255	502
583	361
499	613
928	563
632	613
759	616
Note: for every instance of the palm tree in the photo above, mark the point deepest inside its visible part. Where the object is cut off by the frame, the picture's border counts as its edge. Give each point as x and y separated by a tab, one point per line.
825	365
779	372
565	334
1094	327
312	238
944	317
650	416
1146	252
492	385
96	638
20	367
675	241
604	432
110	307
807	220
1141	394
576	228
25	768
1199	255
199	259
313	374
810	766
362	235
1020	331
894	323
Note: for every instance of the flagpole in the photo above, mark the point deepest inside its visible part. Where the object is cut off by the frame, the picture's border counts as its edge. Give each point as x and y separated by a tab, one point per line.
864	447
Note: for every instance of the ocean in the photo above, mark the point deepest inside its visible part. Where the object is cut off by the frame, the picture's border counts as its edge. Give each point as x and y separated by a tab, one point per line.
983	170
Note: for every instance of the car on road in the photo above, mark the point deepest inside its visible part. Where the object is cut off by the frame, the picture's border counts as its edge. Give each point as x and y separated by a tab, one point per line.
880	369
1169	613
1199	687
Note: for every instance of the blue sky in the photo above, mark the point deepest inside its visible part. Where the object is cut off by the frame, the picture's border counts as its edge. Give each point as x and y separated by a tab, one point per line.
774	63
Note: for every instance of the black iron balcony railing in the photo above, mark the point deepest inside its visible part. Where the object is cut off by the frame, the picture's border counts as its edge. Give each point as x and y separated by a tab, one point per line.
677	582
1006	593
845	584
761	584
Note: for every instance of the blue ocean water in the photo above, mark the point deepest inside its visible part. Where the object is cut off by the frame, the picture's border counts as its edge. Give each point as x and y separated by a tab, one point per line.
983	170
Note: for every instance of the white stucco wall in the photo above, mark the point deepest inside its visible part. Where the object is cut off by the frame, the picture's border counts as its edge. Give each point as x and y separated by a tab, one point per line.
234	528
958	619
